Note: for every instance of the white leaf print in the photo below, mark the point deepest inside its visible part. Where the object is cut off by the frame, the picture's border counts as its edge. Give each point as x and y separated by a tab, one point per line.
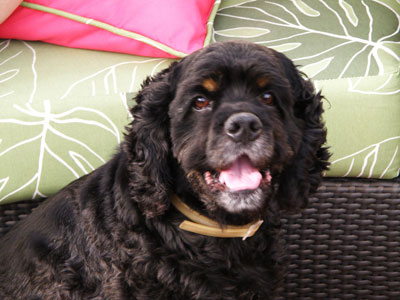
81	161
71	130
7	75
350	14
242	32
314	69
286	47
3	183
338	40
365	159
104	81
305	9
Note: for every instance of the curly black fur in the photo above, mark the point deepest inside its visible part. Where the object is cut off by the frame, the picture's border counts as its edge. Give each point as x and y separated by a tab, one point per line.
113	233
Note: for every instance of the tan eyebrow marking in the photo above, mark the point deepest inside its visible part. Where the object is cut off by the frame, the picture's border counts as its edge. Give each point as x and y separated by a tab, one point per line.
210	84
262	81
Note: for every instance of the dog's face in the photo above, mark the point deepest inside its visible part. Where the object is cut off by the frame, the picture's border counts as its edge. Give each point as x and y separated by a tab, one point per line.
232	125
238	118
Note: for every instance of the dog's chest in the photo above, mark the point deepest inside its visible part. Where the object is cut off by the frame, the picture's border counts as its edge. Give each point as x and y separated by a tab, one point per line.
201	268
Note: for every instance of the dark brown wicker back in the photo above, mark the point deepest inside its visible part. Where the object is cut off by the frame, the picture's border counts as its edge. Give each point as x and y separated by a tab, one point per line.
346	245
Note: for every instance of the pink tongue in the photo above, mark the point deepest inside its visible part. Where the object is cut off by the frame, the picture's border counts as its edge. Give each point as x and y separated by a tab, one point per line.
241	175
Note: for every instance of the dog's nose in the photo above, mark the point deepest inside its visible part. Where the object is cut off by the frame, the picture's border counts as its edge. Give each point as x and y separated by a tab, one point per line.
243	127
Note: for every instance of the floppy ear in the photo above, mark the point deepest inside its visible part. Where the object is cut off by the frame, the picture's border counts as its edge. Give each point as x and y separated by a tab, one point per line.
304	175
148	144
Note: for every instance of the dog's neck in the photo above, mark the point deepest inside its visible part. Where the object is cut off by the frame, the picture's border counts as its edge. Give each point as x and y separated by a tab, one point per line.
205	226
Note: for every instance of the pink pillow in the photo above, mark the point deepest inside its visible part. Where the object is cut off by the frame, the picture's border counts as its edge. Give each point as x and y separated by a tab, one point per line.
170	28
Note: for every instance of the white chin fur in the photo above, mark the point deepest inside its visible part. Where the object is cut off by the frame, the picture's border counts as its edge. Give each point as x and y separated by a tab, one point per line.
236	202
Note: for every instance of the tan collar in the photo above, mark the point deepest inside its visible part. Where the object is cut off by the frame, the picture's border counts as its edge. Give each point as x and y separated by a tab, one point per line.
202	225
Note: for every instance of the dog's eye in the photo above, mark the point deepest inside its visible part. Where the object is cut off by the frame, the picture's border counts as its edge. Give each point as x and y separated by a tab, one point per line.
268	98
200	103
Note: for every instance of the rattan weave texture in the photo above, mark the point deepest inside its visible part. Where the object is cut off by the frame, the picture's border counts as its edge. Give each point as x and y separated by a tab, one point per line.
345	245
11	213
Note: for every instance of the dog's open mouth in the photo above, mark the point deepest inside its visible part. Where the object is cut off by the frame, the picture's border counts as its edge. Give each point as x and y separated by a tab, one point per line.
241	175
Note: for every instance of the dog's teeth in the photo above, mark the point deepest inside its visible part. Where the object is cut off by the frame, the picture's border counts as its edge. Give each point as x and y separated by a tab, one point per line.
212	180
208	178
267	176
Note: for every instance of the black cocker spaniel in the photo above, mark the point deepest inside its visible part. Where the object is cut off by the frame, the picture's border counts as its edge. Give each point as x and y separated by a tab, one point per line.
189	208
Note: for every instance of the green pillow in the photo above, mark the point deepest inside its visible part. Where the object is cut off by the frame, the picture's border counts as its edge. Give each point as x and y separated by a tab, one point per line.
62	113
351	50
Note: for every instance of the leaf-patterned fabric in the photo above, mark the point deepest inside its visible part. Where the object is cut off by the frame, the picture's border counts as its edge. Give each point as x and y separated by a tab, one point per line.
63	111
351	50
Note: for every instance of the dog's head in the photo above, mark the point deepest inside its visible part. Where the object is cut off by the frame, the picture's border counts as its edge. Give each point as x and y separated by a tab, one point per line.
236	124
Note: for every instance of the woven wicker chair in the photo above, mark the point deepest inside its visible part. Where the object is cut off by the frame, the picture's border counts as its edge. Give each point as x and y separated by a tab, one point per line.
345	245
